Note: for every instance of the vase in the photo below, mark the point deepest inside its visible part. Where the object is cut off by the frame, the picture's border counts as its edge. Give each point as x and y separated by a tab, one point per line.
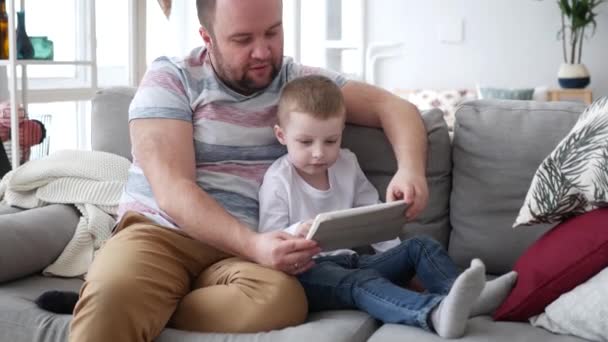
3	30
573	76
43	48
25	50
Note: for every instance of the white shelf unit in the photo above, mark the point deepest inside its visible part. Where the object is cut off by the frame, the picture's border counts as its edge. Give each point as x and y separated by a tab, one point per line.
12	63
44	62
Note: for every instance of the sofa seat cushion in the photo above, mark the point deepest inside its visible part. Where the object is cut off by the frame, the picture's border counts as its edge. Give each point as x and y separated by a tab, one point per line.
21	320
339	326
497	147
479	329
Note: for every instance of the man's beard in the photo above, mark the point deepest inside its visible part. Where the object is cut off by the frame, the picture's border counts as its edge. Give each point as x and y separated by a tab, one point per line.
245	85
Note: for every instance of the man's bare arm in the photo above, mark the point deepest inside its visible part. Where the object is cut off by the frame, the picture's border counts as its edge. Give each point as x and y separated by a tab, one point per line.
401	121
165	151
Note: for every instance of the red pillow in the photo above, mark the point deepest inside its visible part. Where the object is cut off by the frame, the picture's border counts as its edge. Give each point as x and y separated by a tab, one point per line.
563	258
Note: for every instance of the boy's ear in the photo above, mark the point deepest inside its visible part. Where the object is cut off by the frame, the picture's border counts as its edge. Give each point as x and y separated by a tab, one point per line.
278	132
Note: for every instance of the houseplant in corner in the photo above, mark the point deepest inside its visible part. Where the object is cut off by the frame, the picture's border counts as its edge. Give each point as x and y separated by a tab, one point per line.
577	16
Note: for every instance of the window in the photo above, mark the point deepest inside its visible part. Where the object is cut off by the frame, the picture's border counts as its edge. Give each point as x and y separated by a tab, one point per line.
58	92
66	23
68	123
112	26
92	41
105	64
330	33
337	24
162	33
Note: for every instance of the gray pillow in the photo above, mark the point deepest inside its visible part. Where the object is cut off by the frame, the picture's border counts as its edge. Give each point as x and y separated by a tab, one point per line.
377	160
487	93
110	117
497	147
32	239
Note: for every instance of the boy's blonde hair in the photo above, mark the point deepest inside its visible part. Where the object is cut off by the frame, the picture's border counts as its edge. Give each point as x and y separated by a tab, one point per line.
315	95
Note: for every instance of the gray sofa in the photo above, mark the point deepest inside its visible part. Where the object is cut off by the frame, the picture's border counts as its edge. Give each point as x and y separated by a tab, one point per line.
477	184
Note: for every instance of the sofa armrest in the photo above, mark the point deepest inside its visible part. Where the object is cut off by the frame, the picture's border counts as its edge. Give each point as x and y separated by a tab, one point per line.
32	239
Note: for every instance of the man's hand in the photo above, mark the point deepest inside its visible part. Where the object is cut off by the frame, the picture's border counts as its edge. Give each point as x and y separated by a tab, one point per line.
284	252
410	187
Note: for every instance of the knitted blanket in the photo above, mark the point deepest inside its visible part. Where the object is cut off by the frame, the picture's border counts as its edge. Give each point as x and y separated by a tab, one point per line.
92	181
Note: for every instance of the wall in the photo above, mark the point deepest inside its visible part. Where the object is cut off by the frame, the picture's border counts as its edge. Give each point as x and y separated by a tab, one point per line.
511	43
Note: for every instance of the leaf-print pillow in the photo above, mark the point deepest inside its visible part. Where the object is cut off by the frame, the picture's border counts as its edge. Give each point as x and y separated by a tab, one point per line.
573	179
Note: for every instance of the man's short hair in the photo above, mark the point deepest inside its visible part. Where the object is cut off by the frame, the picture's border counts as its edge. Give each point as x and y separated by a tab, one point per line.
315	95
205	10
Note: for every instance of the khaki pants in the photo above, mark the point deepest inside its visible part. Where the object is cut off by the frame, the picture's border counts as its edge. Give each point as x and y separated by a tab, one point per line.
147	277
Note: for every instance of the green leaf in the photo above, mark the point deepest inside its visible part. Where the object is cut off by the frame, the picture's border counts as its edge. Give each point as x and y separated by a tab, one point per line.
565	7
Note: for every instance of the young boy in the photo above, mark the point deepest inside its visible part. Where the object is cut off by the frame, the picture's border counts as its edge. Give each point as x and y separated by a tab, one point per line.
317	176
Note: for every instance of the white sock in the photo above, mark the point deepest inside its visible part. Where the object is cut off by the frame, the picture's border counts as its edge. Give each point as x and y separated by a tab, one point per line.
493	294
450	317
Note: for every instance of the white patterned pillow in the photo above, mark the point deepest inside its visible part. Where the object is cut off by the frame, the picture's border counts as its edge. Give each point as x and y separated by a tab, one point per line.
582	312
446	100
573	179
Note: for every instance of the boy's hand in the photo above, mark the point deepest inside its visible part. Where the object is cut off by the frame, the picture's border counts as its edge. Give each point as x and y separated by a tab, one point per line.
303	228
410	187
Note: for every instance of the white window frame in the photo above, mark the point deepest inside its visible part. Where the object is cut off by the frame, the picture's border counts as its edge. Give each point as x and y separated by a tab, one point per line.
358	44
86	67
86	58
85	64
137	41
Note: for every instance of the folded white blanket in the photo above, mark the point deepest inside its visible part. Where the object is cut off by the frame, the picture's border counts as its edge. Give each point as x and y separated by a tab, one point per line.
90	180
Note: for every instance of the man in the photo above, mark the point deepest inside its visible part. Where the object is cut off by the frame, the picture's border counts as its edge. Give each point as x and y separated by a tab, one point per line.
184	252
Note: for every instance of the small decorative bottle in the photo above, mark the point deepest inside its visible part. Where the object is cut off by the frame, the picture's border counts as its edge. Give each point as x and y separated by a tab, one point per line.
3	30
25	50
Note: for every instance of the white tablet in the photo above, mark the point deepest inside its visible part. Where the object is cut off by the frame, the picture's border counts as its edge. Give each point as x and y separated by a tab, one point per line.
360	226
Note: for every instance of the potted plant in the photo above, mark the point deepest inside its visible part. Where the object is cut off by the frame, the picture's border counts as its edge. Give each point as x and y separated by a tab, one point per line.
577	16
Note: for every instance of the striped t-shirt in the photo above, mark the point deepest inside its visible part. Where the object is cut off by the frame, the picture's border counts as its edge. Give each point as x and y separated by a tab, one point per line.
233	137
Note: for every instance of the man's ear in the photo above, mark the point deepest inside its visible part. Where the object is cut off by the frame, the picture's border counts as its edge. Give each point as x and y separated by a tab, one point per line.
206	35
278	132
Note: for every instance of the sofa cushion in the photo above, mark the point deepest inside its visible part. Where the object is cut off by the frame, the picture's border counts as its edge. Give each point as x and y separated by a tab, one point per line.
573	179
377	160
479	329
497	147
329	326
32	239
560	260
22	320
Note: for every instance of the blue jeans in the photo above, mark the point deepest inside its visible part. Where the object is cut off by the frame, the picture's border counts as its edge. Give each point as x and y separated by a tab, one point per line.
369	282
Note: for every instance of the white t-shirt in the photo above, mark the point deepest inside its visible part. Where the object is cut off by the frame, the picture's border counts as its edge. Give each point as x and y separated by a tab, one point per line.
286	199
